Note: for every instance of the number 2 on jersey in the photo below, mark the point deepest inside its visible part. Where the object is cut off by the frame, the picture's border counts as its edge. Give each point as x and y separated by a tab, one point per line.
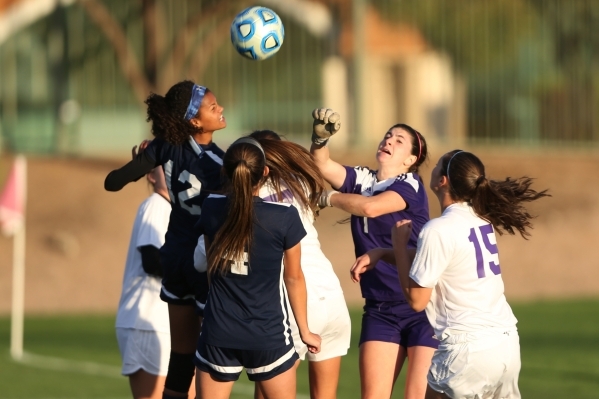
492	248
193	191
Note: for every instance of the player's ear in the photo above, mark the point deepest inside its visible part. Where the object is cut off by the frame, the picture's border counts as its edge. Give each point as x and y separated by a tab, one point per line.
266	171
195	122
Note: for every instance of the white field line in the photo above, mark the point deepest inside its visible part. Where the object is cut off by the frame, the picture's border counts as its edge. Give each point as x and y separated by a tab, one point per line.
103	370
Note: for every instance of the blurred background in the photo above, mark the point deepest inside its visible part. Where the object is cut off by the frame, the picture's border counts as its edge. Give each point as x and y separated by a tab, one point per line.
515	81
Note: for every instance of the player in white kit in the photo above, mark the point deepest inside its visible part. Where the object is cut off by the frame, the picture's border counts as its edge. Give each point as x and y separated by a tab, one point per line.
455	275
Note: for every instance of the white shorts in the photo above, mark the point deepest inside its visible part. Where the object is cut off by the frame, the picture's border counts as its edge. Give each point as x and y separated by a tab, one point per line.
146	350
480	365
329	318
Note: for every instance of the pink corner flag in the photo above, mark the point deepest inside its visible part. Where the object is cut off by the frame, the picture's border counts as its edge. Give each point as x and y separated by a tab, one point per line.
12	198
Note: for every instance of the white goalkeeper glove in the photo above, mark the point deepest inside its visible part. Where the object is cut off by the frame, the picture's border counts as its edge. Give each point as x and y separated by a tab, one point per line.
326	123
325	198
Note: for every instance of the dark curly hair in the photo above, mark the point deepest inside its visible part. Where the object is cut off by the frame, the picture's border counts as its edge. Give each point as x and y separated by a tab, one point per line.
167	113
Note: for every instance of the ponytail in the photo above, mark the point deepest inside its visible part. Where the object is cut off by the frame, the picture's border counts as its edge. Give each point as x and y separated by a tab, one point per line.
501	203
243	165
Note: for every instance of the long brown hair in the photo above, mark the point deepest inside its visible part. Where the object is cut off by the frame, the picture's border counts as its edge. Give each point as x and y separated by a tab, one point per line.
243	165
167	113
293	165
498	202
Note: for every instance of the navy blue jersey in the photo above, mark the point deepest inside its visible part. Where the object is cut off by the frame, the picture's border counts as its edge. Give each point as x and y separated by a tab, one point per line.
247	307
192	173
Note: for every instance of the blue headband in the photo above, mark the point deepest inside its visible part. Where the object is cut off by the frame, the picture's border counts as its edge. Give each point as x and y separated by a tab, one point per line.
197	95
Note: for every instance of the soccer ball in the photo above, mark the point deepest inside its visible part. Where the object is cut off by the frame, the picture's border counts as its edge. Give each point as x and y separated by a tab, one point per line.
257	33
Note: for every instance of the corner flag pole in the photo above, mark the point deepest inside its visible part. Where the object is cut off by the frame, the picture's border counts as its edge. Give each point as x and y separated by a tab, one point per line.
12	222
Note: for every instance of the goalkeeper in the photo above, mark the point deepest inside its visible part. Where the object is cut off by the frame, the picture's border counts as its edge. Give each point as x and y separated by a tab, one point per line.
376	199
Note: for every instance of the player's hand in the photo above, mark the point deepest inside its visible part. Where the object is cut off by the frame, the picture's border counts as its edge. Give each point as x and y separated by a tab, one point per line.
142	146
326	123
400	233
363	264
312	341
325	198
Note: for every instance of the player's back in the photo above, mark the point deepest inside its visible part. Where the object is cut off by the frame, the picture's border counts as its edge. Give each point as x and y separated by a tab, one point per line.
247	307
469	295
192	173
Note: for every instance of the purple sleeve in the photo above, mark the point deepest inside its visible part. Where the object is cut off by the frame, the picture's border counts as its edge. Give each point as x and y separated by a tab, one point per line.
408	190
349	184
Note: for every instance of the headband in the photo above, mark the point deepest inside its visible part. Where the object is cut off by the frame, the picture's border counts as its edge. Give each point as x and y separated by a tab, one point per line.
197	95
249	140
419	145
449	163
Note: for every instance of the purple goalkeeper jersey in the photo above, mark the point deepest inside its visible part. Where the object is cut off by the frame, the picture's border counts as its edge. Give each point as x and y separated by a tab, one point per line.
382	282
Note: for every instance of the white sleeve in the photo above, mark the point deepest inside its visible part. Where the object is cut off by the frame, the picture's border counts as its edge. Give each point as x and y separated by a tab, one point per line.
433	254
153	226
200	262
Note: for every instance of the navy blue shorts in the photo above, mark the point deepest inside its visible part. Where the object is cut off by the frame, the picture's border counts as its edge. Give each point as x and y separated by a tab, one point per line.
182	284
227	364
396	322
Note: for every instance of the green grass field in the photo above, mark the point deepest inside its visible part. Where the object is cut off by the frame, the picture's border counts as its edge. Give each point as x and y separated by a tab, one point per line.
560	356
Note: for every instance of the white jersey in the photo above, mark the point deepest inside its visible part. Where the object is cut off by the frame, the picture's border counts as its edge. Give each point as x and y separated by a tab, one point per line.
321	280
457	256
140	306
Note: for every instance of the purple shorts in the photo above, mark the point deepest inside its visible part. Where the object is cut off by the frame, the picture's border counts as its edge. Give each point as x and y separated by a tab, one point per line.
397	323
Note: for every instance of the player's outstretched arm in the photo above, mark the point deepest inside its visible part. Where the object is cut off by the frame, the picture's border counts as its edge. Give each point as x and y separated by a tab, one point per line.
417	296
296	290
326	123
141	165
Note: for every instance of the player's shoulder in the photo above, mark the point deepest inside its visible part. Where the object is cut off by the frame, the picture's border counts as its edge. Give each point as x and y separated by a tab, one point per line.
410	179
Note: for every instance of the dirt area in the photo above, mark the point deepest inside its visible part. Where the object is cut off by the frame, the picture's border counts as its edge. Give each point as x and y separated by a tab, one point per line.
78	234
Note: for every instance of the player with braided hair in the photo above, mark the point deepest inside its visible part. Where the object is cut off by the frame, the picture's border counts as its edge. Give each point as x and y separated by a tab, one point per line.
294	178
376	199
455	275
183	123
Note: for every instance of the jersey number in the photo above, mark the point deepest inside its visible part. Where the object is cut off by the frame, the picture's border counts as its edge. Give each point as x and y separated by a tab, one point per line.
492	248
240	266
193	191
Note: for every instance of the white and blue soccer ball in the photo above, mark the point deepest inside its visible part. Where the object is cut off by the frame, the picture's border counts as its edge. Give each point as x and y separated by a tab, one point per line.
257	33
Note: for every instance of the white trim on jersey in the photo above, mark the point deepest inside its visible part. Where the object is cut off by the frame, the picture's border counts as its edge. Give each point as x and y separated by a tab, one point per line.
171	295
220	369
283	296
196	147
273	365
278	203
215	157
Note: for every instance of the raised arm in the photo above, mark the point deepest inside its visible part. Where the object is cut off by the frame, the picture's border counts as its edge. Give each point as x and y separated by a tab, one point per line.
296	290
326	123
141	165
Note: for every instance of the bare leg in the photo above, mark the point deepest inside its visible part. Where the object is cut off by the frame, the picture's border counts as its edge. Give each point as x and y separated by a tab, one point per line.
185	331
209	388
282	386
419	362
145	385
380	364
324	377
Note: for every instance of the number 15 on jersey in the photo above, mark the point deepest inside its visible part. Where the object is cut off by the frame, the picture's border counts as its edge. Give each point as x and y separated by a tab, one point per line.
490	250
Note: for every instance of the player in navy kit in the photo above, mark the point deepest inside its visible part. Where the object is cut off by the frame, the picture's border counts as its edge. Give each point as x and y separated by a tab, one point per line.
183	123
246	318
376	199
455	275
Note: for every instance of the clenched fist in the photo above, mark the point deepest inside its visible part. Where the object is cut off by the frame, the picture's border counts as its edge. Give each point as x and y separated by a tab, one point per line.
326	123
